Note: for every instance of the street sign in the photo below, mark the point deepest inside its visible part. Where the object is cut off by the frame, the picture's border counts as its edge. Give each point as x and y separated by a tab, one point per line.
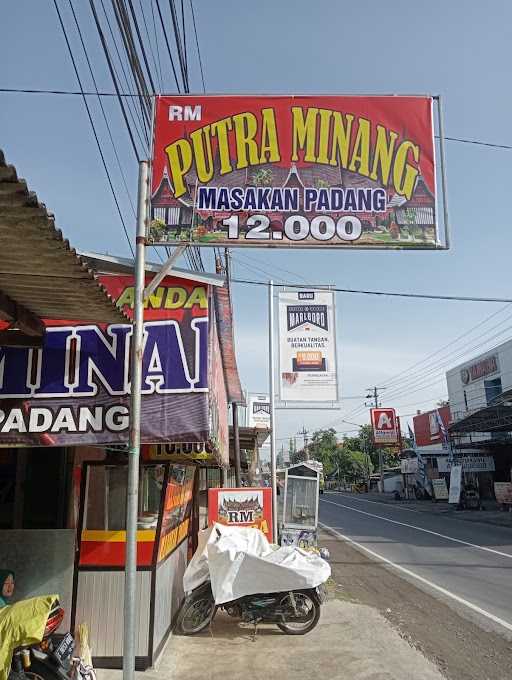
385	426
294	171
307	346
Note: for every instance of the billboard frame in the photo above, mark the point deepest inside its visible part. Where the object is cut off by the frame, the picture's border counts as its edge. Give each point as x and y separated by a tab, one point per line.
439	182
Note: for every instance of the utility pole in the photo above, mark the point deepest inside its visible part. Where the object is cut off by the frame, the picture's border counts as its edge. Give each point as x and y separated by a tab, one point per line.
132	497
304	433
373	393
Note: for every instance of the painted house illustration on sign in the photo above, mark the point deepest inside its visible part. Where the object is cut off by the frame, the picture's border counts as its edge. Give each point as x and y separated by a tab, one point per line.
403	220
236	511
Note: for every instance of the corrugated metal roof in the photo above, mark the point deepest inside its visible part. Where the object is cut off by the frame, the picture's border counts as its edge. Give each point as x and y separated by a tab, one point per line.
38	267
109	264
224	317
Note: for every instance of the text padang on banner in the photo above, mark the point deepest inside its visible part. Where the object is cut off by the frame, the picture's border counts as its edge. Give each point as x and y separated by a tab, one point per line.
295	171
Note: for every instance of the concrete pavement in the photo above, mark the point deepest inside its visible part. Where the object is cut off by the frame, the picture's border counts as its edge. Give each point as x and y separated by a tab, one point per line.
351	641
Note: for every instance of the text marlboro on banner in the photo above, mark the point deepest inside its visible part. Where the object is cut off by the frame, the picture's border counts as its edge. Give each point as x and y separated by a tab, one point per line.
300	171
307	346
259	411
385	426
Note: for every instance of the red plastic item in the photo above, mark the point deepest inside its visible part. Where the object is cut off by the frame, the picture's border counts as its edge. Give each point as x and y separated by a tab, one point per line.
54	621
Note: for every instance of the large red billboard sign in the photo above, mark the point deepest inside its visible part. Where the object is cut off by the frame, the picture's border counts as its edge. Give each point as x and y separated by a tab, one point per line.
385	426
300	171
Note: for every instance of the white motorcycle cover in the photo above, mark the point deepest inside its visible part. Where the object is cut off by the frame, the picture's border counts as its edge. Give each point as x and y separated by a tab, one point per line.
240	561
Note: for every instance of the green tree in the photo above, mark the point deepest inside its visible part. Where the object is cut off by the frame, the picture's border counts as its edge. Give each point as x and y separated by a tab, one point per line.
323	447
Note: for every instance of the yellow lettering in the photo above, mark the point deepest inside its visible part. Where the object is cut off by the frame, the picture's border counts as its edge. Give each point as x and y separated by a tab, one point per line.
176	298
360	161
341	139
323	137
126	298
269	152
155	299
179	154
404	174
246	127
202	144
383	154
220	130
197	297
304	133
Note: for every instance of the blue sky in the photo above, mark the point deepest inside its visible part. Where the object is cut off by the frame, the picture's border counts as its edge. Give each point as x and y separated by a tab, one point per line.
458	50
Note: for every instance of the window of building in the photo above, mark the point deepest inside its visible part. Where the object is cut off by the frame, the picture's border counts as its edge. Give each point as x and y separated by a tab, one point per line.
492	389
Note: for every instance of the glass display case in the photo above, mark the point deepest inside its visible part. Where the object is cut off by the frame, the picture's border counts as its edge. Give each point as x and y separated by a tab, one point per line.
300	503
167	525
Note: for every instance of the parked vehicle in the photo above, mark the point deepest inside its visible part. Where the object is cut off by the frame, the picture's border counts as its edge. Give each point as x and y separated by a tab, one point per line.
295	612
49	659
236	569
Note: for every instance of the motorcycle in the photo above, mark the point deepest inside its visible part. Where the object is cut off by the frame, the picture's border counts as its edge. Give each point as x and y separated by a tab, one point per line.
51	658
295	612
236	570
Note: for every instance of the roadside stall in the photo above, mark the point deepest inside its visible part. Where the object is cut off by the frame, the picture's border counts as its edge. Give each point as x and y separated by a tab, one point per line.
168	514
298	505
41	277
79	404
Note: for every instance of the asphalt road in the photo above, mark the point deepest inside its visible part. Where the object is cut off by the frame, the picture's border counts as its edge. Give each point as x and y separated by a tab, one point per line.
467	563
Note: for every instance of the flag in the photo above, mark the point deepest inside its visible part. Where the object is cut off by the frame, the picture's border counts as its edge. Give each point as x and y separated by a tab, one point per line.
444	436
412	437
442	430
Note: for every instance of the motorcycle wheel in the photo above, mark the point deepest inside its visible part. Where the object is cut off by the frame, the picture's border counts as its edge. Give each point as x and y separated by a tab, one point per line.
197	612
310	614
40	671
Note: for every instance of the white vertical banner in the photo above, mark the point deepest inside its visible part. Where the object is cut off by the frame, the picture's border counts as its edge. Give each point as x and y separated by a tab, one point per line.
455	484
307	346
258	414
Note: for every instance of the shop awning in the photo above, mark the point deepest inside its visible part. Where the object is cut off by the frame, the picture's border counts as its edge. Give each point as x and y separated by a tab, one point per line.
41	276
251	438
489	419
110	264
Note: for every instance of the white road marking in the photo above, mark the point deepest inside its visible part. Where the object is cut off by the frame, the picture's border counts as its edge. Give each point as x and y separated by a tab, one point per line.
365	500
426	531
421	579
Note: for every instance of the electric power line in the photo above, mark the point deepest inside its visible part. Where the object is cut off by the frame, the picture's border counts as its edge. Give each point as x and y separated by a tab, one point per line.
105	118
131	102
150	43
113	76
93	126
169	52
421	296
197	44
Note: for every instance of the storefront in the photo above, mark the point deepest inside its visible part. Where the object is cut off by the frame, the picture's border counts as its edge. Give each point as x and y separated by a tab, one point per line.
41	277
480	393
76	408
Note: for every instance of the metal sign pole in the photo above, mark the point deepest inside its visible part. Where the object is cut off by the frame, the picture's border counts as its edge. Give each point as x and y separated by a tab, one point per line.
273	475
130	572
